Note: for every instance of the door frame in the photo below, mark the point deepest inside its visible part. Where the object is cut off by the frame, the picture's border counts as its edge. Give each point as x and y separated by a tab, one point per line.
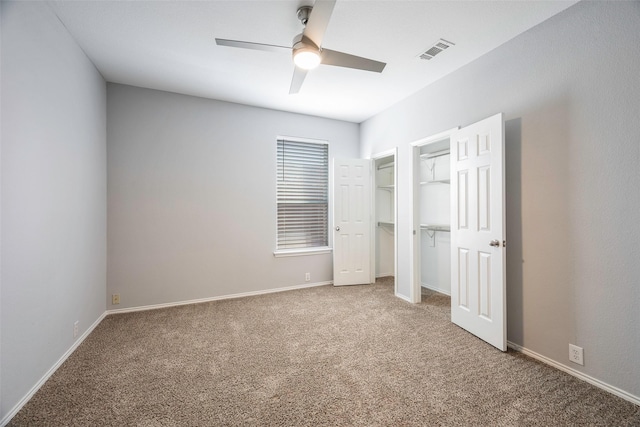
381	155
416	285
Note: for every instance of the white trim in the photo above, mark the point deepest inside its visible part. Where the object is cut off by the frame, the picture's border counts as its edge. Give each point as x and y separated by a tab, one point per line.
387	153
218	298
580	375
433	288
372	216
396	170
330	168
50	372
300	139
404	298
414	244
302	251
434	138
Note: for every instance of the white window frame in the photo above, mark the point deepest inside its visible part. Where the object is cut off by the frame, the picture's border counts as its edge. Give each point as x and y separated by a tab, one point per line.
308	250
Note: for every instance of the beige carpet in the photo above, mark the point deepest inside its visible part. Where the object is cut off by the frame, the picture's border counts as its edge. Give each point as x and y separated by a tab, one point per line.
319	356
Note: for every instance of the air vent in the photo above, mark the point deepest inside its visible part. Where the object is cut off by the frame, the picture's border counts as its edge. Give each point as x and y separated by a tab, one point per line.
438	47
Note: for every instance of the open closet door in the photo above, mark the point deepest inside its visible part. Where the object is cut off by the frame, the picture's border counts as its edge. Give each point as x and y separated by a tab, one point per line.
478	287
351	221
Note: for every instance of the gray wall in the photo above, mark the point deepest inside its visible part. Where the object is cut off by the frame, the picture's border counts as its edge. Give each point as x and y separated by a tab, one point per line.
1	416
191	196
1	212
53	195
571	95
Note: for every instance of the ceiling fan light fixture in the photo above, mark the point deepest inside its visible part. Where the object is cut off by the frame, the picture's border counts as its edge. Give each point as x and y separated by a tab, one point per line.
306	58
305	49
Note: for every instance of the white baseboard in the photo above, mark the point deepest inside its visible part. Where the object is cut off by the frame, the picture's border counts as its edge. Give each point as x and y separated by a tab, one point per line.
50	372
218	298
584	377
381	275
433	288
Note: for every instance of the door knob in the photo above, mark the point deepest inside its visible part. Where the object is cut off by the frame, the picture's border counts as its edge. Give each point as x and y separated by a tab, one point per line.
495	243
337	228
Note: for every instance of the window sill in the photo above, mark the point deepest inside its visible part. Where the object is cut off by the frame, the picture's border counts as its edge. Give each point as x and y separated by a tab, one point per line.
302	252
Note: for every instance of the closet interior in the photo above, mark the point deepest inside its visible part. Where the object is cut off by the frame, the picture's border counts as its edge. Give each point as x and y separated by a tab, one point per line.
385	212
435	216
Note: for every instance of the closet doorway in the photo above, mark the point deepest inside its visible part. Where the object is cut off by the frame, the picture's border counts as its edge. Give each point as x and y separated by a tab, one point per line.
385	239
432	215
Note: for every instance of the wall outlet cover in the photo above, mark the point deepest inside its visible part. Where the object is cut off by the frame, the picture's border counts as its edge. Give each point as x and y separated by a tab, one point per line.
115	299
576	354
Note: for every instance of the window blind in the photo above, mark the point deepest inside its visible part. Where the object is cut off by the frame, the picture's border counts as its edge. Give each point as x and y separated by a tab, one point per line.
302	194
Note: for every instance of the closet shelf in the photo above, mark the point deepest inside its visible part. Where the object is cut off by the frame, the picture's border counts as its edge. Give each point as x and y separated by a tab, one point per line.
435	227
387	187
385	224
437	181
435	154
386	165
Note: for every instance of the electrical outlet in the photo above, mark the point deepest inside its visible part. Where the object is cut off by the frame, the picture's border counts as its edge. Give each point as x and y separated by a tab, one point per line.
115	299
307	277
576	354
75	329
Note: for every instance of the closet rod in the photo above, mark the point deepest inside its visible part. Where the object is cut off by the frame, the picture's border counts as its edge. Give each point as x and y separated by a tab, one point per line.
435	154
433	227
385	223
386	165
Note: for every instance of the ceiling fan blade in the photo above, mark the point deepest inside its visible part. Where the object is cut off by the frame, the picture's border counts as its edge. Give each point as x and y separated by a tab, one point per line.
296	82
340	59
254	46
319	20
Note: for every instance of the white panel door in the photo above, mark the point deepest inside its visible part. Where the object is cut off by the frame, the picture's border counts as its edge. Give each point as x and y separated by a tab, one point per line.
478	286
351	221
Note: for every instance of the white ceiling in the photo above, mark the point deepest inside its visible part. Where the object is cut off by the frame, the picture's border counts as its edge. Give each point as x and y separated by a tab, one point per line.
169	45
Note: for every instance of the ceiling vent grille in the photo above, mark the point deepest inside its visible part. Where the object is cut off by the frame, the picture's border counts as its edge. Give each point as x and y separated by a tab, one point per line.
438	47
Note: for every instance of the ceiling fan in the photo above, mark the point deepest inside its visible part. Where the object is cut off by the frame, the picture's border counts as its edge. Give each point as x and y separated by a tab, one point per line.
307	48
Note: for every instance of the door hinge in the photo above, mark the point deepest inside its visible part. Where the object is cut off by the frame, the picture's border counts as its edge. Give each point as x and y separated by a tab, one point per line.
504	243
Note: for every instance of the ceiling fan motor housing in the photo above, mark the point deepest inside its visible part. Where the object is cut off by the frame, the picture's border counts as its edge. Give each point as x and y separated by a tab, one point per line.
301	41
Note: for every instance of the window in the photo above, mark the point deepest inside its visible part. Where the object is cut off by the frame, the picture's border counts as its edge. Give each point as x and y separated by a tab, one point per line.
302	195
